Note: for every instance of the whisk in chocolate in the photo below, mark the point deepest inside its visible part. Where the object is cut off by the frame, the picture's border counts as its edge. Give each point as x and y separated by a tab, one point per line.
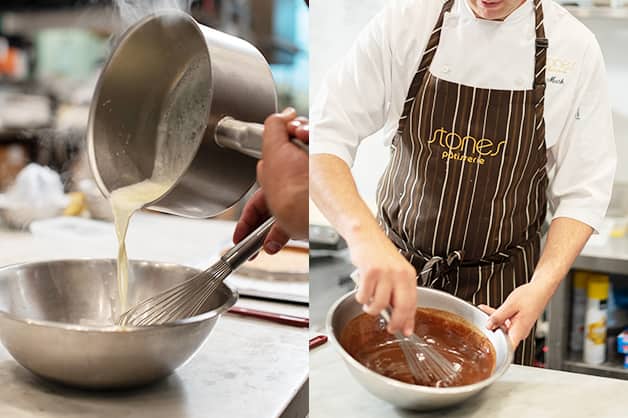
366	340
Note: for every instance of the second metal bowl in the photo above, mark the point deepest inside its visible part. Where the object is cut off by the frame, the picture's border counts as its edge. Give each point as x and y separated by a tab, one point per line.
55	320
416	397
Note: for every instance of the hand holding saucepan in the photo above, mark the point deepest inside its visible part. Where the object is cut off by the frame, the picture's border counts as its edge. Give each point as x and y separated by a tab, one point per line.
284	177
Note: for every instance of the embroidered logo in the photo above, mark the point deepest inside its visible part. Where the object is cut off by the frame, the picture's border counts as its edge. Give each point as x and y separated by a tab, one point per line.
557	69
559	65
466	148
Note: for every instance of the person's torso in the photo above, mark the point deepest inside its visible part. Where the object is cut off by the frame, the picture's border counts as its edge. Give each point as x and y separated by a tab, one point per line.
486	54
467	171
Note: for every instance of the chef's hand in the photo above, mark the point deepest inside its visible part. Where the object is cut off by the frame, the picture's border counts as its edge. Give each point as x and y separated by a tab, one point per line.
386	278
283	176
255	212
283	172
519	311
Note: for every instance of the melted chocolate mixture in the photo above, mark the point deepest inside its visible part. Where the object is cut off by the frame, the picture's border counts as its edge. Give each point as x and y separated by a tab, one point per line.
366	340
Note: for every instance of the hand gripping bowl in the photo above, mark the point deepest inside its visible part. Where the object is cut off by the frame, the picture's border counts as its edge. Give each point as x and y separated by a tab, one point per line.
415	397
54	318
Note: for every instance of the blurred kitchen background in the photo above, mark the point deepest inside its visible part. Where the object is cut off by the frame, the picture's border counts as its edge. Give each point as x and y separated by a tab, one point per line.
51	52
605	258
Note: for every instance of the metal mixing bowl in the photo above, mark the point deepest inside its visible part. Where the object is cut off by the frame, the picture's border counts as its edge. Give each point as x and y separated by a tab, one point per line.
55	320
416	397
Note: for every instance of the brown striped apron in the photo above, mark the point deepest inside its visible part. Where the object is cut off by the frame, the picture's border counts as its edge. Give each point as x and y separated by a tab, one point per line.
464	194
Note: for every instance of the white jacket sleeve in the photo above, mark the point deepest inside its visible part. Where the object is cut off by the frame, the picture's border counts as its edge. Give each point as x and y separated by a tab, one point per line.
584	155
352	102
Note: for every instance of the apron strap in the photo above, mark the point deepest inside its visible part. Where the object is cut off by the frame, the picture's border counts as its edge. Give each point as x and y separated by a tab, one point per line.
541	45
540	60
424	66
540	64
437	267
432	268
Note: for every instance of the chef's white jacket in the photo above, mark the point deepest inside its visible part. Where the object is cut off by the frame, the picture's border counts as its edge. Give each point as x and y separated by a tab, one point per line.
365	92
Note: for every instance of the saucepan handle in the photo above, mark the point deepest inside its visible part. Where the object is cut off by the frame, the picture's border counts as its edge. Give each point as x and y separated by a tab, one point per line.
245	137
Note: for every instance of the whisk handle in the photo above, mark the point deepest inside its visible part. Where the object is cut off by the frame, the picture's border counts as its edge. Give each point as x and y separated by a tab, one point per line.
386	313
249	246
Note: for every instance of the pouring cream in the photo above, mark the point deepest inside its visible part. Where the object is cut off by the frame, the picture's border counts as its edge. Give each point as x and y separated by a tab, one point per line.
124	202
180	130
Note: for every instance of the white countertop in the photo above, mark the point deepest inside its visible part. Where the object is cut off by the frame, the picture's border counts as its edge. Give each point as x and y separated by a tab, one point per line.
247	367
523	392
150	236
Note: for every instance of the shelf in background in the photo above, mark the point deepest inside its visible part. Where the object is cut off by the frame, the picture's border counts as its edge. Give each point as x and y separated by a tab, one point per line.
614	369
598	12
600	264
97	18
610	257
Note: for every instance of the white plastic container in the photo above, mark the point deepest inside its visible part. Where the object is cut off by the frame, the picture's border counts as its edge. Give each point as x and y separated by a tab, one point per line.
595	319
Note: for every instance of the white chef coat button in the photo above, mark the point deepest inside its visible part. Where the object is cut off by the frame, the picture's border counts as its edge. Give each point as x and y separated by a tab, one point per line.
446	69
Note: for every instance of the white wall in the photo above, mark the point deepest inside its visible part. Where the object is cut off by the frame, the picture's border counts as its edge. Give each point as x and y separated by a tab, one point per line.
612	34
336	23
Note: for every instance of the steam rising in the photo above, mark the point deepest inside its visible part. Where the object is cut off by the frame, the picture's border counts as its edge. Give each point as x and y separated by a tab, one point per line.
131	11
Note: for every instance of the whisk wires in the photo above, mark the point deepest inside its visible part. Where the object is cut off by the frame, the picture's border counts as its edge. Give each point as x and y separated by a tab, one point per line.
182	301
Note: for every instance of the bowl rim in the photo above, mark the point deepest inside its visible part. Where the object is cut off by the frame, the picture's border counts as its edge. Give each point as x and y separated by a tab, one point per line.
466	389
233	297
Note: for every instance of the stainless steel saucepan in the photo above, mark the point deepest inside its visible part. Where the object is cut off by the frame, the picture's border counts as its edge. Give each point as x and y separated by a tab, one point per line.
235	91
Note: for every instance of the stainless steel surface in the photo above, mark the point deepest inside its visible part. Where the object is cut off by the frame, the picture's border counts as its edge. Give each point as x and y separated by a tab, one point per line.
249	246
141	73
558	315
610	256
191	296
300	144
244	137
613	262
55	320
412	396
613	368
